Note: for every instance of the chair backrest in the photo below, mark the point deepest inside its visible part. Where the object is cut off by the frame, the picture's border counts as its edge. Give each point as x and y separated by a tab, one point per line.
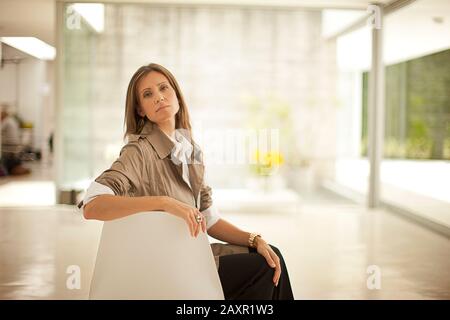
151	255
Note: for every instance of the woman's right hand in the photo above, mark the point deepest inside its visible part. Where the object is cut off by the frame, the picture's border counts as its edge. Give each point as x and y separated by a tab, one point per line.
187	213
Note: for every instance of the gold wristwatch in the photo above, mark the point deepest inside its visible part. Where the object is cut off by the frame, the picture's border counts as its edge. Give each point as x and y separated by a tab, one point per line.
252	239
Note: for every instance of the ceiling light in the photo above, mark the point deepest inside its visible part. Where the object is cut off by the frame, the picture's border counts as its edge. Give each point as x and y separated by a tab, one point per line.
31	45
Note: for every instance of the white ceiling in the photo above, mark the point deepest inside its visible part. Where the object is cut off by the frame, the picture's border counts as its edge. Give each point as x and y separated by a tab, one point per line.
421	29
37	17
28	18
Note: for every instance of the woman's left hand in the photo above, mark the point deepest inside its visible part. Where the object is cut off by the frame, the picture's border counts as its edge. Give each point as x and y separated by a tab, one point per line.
271	257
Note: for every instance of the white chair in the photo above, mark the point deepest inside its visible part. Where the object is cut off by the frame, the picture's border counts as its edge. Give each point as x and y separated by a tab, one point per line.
151	255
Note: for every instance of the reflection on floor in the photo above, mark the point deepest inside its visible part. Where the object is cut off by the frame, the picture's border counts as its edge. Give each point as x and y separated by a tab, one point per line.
422	187
328	244
38	187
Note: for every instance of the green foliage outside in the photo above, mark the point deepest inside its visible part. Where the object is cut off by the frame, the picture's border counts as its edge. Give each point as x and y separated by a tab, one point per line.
417	114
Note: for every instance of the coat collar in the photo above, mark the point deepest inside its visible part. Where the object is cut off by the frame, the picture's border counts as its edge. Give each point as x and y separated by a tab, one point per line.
164	146
158	139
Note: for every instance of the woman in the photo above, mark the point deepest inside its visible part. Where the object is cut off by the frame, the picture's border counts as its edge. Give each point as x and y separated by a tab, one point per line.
160	168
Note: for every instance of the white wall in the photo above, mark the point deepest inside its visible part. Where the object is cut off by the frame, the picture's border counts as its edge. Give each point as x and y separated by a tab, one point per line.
22	86
8	84
237	52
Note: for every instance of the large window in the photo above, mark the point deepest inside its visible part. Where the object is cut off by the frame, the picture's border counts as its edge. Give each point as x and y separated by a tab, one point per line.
417	114
415	171
353	60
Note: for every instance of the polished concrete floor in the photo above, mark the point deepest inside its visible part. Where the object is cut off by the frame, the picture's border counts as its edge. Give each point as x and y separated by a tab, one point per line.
328	244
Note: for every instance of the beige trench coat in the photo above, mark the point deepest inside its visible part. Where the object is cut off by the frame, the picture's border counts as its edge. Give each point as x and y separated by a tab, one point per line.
145	168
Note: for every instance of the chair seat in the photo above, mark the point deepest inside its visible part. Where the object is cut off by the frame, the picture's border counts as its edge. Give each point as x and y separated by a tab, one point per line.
151	255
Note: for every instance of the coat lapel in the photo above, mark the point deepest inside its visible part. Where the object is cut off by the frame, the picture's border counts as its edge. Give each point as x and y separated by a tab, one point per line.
163	146
196	179
158	139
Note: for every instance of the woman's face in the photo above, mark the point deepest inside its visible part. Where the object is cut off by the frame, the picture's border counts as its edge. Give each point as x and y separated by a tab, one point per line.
158	100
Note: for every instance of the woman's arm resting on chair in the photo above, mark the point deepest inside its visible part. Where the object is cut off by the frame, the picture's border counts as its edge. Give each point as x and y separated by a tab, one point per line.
109	207
224	231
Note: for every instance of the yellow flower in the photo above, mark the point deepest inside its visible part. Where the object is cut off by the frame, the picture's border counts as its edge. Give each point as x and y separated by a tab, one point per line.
266	162
274	158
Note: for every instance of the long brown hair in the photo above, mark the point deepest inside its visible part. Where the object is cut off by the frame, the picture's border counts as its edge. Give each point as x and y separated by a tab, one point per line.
133	122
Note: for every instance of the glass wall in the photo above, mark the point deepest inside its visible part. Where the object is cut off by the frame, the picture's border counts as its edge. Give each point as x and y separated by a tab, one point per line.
353	61
415	172
239	68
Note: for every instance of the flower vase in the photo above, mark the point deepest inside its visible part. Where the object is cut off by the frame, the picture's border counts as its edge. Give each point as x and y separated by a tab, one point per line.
267	187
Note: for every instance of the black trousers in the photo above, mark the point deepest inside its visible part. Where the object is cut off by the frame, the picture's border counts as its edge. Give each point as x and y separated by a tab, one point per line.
248	276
